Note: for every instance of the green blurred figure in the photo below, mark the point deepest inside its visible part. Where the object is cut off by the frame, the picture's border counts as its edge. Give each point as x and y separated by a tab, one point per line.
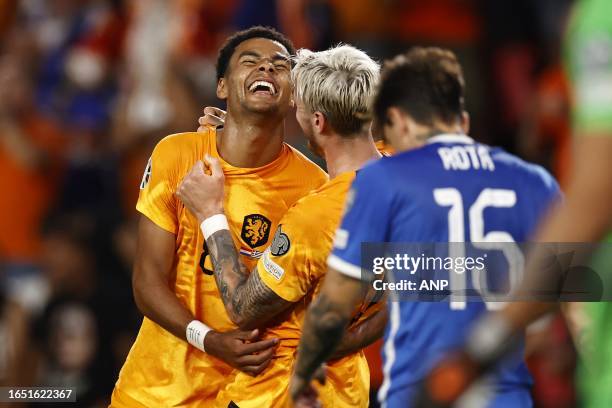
589	58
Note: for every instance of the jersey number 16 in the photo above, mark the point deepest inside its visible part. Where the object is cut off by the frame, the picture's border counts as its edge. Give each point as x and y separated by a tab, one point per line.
493	240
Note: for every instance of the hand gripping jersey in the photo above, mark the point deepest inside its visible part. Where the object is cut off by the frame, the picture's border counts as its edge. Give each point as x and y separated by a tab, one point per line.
452	189
162	370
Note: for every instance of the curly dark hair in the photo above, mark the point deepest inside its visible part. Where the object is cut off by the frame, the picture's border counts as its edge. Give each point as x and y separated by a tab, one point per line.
226	52
425	82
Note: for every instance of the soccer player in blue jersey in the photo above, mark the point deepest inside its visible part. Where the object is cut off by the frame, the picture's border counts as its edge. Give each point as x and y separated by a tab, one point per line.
440	187
584	217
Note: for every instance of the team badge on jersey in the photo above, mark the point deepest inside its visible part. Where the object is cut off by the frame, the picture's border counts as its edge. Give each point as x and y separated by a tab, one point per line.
280	243
255	230
147	175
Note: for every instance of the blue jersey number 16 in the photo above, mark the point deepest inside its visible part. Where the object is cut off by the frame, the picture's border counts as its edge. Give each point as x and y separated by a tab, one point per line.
493	240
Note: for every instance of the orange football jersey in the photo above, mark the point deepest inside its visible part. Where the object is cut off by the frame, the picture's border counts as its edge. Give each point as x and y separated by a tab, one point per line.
294	267
162	370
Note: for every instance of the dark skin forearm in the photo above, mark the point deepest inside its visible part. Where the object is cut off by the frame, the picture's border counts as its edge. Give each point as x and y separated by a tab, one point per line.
247	299
326	321
361	336
322	333
152	266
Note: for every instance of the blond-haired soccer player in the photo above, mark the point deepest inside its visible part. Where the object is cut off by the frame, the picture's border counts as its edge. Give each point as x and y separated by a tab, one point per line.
176	360
332	89
441	187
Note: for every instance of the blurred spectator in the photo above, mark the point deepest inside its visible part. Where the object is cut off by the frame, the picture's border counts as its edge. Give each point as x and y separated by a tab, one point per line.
438	21
521	37
68	257
147	56
307	22
545	135
70	355
31	162
457	25
77	280
386	28
8	9
79	44
168	73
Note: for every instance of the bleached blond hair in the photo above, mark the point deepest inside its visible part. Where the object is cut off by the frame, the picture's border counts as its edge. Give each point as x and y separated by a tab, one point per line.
339	82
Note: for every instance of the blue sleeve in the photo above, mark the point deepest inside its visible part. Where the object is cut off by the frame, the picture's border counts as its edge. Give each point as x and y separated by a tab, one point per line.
553	189
543	193
551	193
367	217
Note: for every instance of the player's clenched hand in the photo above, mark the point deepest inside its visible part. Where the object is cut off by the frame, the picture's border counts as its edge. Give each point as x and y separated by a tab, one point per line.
202	193
241	349
309	398
214	117
302	392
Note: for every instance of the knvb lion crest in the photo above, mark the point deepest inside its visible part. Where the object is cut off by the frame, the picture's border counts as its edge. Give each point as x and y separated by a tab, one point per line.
255	230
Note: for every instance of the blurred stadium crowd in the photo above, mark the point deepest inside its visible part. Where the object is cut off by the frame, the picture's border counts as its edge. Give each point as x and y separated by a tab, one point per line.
88	87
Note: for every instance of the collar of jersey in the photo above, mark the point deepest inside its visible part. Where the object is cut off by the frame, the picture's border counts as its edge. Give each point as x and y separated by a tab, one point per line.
229	169
450	138
342	178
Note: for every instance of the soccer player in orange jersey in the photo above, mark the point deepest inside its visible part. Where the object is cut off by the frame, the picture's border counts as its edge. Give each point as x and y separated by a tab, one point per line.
335	120
175	360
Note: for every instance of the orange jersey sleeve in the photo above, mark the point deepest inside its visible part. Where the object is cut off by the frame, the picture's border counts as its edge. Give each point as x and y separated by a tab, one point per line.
159	181
287	266
295	261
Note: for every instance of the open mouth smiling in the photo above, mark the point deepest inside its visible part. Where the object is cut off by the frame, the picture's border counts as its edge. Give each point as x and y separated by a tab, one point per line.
262	87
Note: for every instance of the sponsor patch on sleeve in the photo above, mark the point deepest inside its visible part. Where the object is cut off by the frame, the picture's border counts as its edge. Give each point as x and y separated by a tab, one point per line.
272	267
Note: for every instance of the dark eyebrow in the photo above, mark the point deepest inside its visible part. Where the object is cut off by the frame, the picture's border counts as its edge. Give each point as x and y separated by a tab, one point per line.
280	57
276	57
249	54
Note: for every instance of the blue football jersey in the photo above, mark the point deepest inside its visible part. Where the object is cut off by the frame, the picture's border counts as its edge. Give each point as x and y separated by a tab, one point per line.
450	190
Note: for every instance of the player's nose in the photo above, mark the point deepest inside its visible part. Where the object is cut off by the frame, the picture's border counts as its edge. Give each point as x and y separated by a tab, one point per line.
266	66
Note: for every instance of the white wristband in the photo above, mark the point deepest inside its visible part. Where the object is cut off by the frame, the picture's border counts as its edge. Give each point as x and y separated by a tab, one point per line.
196	333
213	224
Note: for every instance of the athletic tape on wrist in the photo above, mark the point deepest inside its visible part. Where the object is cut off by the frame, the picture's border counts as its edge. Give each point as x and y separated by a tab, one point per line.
196	333
213	224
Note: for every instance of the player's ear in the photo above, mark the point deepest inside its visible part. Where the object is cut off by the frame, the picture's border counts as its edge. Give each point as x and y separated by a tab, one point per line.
394	117
221	89
318	121
465	122
292	103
